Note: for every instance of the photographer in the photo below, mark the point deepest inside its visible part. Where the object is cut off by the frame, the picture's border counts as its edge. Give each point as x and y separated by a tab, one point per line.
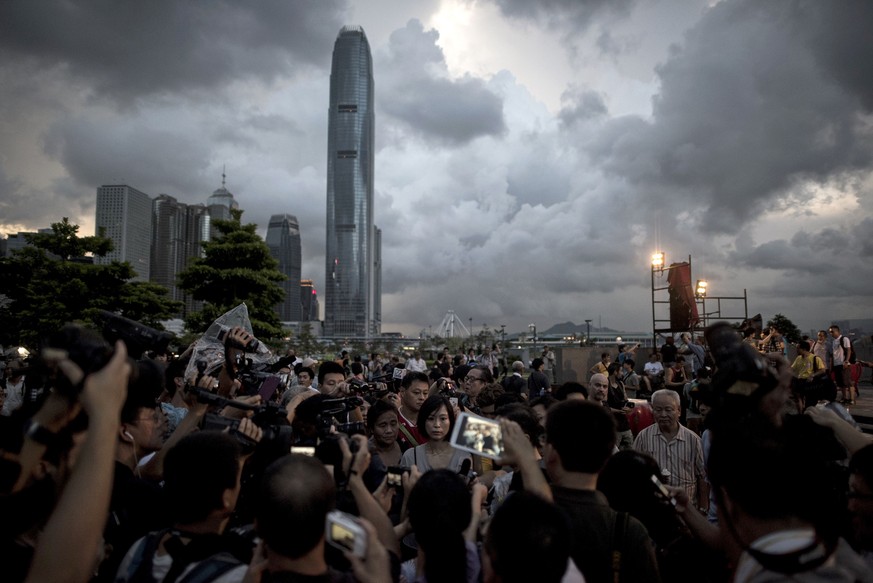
70	540
201	486
296	490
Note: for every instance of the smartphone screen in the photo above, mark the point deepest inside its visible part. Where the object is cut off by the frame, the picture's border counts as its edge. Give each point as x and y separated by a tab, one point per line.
478	435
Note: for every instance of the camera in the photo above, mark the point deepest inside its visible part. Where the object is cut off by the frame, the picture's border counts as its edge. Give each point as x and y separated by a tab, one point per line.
271	419
251	346
137	337
345	532
395	475
742	370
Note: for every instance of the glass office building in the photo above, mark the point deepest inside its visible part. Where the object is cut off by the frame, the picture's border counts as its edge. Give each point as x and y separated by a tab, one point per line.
283	239
352	302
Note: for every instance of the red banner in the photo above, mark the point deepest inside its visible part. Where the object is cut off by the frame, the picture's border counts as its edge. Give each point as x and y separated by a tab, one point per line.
683	307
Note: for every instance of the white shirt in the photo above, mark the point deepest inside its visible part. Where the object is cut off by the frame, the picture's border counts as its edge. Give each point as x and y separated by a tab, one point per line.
14	397
840	351
414	365
653	367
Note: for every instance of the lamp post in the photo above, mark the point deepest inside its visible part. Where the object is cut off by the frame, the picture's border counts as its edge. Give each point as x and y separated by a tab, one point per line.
533	331
503	336
659	259
471	328
587	332
700	294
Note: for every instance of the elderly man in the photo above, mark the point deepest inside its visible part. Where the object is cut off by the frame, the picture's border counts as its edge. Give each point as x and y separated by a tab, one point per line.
677	449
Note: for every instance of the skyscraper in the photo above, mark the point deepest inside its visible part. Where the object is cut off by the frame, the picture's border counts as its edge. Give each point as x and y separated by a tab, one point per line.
283	239
309	301
169	246
220	204
350	266
124	214
178	231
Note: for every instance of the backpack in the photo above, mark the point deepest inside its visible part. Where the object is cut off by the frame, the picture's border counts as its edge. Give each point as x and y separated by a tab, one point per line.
848	351
140	568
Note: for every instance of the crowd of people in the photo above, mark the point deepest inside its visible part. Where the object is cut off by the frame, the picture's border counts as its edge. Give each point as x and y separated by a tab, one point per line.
170	469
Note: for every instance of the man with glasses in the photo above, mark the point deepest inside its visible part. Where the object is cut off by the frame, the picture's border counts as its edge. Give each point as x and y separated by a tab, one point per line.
677	449
474	382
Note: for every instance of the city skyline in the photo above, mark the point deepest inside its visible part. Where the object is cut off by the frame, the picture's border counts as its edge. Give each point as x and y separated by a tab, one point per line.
352	306
530	156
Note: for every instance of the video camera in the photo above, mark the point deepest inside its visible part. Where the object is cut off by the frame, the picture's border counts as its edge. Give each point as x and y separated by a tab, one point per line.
329	414
269	417
91	351
137	337
743	376
377	390
258	379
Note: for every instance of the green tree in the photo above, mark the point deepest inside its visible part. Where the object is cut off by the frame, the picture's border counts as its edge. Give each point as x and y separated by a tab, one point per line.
790	332
306	342
53	281
237	267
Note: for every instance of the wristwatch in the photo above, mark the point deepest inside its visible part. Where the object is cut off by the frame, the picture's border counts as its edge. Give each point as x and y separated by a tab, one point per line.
36	432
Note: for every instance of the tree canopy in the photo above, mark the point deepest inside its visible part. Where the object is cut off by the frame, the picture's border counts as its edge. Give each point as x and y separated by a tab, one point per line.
53	281
236	268
790	332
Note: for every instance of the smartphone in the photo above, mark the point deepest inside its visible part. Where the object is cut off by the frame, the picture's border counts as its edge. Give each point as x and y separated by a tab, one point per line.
395	475
268	388
345	532
663	490
477	435
303	450
453	401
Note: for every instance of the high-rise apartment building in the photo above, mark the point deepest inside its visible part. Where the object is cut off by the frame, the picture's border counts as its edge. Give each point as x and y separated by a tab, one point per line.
308	301
283	239
124	215
352	308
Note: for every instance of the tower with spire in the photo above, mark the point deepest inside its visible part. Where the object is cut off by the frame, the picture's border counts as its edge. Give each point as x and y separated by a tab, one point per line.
352	283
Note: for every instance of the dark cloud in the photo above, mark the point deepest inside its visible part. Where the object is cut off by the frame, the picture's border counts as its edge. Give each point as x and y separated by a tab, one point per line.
126	50
129	152
412	78
745	114
833	261
562	13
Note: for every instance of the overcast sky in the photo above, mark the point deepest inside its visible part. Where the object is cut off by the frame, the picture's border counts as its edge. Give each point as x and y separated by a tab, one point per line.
531	155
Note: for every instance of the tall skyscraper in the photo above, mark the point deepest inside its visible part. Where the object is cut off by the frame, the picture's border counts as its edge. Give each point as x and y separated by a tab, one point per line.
169	248
350	266
309	301
283	239
178	231
124	214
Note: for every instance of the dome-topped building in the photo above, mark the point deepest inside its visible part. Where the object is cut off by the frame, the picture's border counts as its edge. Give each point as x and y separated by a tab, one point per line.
221	202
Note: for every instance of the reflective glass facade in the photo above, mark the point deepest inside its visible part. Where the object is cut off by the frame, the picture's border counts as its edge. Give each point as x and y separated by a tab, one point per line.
351	302
124	214
283	239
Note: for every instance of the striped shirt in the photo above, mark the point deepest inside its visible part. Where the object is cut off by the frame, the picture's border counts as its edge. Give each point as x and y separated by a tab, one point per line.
682	456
